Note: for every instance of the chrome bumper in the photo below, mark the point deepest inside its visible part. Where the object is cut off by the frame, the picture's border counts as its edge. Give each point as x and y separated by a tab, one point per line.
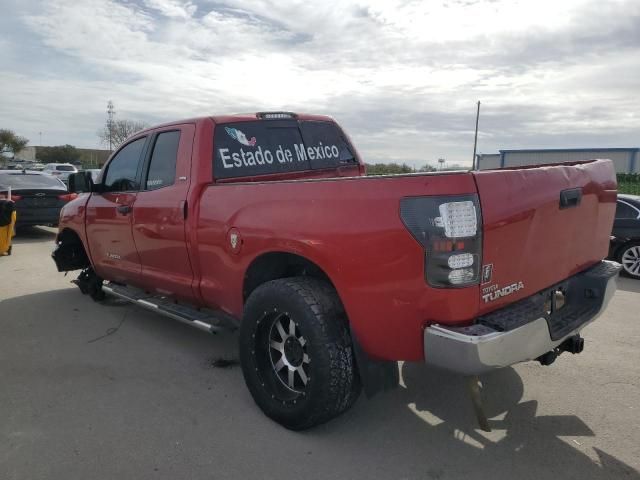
480	348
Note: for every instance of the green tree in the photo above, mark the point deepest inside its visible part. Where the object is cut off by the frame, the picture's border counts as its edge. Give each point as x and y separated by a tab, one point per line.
388	168
59	154
10	142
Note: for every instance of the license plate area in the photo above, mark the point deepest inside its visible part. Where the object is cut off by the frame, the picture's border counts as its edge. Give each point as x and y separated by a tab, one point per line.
555	299
565	306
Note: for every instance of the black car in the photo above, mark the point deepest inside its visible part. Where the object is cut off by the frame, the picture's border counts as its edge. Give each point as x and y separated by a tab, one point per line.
38	197
625	238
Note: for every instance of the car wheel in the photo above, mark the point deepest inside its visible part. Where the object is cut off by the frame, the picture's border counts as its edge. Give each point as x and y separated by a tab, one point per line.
296	353
629	257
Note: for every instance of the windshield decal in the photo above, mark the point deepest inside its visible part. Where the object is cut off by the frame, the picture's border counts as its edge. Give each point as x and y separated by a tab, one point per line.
240	137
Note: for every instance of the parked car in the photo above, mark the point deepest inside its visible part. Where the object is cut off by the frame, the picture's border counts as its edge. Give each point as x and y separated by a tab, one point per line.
38	197
60	170
625	237
268	221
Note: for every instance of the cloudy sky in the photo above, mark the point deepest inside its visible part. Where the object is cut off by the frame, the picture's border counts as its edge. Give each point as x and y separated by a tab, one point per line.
401	76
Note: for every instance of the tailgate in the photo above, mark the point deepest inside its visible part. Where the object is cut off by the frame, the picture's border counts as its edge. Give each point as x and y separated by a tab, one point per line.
542	225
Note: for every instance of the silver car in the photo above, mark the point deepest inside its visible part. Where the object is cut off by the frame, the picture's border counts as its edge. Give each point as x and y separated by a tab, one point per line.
60	170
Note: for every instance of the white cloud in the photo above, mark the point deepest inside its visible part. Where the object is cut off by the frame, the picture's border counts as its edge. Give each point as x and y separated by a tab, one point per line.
172	8
403	76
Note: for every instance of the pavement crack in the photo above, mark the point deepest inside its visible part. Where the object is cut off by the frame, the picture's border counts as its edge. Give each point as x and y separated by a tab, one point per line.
110	331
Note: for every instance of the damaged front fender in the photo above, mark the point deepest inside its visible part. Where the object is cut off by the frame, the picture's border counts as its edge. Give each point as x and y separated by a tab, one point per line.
69	253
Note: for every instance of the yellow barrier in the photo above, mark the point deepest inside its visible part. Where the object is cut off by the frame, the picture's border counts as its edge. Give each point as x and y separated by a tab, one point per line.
6	234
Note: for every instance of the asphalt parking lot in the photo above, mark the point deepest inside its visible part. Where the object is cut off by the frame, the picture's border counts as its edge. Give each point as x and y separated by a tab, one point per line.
104	391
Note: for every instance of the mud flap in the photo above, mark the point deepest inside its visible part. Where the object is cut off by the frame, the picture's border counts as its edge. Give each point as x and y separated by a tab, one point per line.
376	375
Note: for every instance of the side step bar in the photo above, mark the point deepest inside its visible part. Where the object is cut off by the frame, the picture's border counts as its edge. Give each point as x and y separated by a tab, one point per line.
211	321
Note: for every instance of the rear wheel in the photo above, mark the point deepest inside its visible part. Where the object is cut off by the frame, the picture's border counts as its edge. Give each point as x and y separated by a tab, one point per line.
629	257
296	352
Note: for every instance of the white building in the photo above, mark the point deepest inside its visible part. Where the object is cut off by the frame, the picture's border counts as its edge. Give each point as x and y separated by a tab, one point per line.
625	160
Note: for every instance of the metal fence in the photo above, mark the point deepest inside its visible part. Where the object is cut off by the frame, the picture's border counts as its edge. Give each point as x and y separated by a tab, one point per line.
629	183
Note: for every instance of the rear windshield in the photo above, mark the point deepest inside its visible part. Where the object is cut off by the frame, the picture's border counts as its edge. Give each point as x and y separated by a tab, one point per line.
65	168
246	149
29	180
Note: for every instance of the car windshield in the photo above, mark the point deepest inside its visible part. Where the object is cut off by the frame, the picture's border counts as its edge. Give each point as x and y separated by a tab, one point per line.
29	180
66	168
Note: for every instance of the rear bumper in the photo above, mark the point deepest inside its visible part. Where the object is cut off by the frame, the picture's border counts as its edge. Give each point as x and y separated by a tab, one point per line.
524	330
38	216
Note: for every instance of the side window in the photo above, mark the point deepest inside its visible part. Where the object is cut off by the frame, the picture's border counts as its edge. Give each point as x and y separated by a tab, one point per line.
624	211
123	168
162	167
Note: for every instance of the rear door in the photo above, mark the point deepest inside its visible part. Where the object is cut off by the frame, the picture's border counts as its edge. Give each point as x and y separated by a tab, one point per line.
109	225
159	216
542	225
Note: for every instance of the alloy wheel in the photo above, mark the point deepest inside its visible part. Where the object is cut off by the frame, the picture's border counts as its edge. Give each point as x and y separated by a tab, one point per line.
631	260
288	353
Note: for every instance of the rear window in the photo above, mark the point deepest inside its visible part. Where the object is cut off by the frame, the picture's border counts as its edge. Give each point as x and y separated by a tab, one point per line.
27	180
65	168
246	149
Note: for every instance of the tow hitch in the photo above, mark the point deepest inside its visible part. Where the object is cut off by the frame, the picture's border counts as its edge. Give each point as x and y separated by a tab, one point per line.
574	344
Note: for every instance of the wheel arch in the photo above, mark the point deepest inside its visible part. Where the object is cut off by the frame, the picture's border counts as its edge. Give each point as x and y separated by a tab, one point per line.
376	375
71	253
281	264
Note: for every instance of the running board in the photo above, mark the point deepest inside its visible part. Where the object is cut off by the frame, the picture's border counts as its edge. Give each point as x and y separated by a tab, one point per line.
211	321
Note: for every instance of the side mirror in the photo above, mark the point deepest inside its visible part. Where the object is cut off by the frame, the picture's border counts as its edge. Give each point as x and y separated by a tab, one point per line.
81	182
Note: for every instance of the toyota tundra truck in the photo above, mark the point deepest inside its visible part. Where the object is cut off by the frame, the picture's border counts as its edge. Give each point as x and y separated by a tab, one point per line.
268	223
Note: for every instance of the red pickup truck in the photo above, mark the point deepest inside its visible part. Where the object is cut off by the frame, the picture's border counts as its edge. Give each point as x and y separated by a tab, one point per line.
268	222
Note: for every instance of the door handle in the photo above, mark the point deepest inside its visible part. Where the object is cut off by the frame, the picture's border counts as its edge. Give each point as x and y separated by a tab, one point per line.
124	209
570	198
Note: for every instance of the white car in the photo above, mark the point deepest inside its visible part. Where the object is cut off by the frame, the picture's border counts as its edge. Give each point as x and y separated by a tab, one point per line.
60	170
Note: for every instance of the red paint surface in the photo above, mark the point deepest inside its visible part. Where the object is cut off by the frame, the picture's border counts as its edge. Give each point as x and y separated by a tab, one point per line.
349	227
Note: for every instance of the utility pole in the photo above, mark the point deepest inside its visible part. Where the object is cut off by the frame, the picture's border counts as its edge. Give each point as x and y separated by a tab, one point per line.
110	114
40	133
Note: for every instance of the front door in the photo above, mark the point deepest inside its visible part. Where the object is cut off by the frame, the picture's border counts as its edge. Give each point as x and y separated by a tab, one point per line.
109	214
159	216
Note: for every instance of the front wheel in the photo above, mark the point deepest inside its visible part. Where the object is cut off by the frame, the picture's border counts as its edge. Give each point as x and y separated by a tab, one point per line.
296	353
629	257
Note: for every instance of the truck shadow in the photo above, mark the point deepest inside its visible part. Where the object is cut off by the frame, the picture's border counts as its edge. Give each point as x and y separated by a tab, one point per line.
433	411
424	429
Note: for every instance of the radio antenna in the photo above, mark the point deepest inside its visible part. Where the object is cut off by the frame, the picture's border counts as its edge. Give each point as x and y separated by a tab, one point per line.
475	140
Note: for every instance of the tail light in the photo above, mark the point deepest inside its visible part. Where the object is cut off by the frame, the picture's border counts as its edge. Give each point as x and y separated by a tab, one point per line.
14	198
450	230
67	197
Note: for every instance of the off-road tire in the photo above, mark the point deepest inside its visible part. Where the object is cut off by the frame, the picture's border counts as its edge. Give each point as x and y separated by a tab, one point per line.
333	384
